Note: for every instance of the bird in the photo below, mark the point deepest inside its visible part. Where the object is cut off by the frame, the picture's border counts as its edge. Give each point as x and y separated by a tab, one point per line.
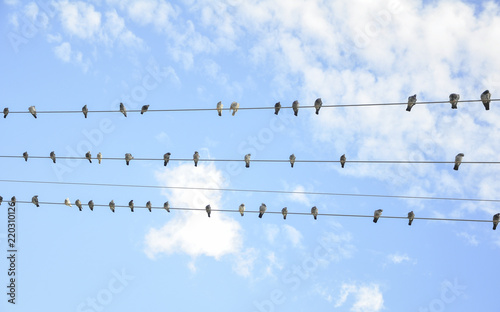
91	205
78	203
144	109
411	216
128	158
166	206
412	100
1	200
234	107
13	200
166	159
219	108
25	155
262	210
295	106
123	110
377	215
53	156
32	110
148	205
131	205
247	160
277	108
99	157
196	157
317	104
496	220
242	209
34	200
88	156
209	210
458	160
454	98
5	112
342	160
292	160
67	202
85	111
112	205
485	98
284	212
314	212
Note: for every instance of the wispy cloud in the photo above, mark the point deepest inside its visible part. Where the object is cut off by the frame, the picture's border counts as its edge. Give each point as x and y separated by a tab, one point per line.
368	298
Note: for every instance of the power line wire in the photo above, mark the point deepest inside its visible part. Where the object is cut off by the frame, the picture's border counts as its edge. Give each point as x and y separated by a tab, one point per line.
246	108
272	212
253	191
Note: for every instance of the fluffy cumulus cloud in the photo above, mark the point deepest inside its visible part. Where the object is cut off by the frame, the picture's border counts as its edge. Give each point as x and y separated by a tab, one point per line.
192	232
367	298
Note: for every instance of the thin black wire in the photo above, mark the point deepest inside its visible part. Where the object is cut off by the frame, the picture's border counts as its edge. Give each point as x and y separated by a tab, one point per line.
267	160
247	108
270	212
254	191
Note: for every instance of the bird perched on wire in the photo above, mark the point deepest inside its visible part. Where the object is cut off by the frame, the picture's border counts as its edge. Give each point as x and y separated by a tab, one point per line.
314	212
1	200
412	100
219	108
85	111
53	156
284	212
149	206
25	156
262	210
78	203
88	156
242	209
496	220
112	205
5	112
317	104
209	210
454	98
458	160
196	158
247	160
486	99
91	205
295	107
67	202
13	200
234	107
377	215
292	160
32	110
99	157
277	108
128	158
144	109
34	200
342	160
131	205
166	159
411	216
123	110
166	206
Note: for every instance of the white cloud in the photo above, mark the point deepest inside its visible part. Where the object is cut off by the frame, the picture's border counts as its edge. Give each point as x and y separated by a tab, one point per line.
54	38
293	235
368	298
80	19
11	2
192	232
301	198
271	231
398	258
469	238
63	51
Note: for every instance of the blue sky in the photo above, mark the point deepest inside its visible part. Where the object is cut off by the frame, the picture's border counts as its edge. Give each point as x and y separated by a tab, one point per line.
193	54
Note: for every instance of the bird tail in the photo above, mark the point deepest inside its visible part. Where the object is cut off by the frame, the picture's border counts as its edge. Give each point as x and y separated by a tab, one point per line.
456	167
90	160
317	111
260	215
291	165
131	209
234	112
296	113
54	161
487	106
209	214
4	116
409	222
34	116
275	112
196	164
39	206
453	106
125	114
247	165
342	165
26	159
99	161
375	220
85	115
495	226
242	214
165	163
408	109
315	217
149	209
220	113
284	217
127	162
